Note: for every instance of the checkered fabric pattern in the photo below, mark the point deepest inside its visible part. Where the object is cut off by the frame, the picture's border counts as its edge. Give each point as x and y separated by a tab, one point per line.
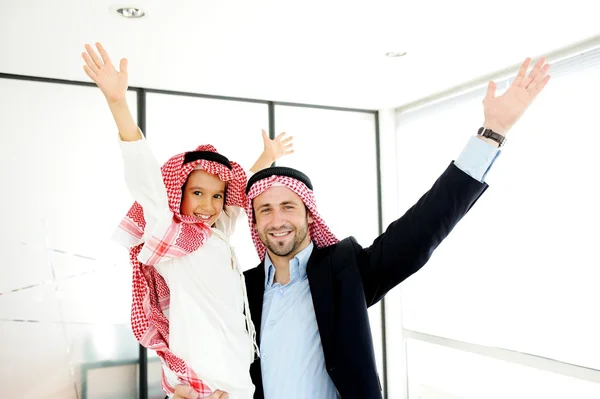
320	234
150	293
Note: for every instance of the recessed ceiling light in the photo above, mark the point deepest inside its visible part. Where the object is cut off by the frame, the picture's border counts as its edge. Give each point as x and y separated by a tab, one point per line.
396	54
131	12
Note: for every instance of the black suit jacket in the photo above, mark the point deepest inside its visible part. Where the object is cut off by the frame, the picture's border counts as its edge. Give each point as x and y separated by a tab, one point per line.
345	279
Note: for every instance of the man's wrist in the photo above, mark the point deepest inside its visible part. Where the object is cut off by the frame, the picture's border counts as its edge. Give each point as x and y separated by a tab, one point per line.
496	127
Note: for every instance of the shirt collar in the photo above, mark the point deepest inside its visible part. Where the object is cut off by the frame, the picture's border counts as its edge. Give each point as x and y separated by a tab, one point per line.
297	266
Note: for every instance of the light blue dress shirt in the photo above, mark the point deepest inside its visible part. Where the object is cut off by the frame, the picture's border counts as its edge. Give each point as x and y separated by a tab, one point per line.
292	360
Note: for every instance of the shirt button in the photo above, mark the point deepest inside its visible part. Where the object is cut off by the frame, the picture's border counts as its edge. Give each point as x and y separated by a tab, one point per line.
263	355
281	291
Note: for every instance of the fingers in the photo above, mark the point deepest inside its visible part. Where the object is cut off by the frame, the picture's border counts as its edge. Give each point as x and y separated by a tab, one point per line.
286	143
534	72
539	76
95	59
522	72
123	65
89	72
90	63
103	54
491	91
219	395
540	86
286	140
264	134
280	136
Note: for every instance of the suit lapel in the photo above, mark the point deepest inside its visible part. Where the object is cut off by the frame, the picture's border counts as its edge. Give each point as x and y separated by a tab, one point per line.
318	271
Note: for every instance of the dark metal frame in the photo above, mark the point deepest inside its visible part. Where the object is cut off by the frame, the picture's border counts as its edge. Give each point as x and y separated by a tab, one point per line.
143	352
141	120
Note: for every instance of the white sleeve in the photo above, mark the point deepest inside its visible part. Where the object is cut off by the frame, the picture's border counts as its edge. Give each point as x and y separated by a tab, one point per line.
144	178
228	220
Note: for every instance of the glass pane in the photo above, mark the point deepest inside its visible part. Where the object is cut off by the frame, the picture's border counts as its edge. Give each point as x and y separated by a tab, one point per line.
520	270
64	286
443	373
337	150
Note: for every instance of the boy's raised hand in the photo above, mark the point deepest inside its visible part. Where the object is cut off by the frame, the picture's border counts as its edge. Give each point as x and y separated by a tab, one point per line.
100	69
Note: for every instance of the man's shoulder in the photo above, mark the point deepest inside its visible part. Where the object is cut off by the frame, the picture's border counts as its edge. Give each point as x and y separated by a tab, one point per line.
254	270
348	244
345	247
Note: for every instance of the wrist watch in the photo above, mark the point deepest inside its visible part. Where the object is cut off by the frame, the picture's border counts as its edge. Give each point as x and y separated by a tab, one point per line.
490	134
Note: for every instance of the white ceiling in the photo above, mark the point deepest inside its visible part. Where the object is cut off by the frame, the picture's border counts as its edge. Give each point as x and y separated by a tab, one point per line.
317	52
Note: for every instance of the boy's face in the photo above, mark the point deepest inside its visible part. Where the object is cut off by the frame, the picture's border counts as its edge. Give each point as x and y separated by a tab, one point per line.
203	196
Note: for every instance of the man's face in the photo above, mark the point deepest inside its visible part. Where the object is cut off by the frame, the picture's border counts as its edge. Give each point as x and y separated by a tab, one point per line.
282	221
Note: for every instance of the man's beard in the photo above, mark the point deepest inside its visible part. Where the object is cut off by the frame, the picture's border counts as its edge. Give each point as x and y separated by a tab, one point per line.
287	247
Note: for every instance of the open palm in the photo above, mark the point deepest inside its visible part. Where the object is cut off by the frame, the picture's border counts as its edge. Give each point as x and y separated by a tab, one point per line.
502	112
100	69
277	147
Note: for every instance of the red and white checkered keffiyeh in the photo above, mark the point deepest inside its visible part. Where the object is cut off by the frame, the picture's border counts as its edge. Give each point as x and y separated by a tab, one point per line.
319	232
185	235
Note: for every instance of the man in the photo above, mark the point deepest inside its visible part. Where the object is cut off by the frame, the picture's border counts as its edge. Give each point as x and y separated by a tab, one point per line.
310	294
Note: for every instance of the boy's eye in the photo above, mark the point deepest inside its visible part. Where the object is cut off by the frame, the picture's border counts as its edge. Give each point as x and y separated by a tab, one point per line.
218	196
197	193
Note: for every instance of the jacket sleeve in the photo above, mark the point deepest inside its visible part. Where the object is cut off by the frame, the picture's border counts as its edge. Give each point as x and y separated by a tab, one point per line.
408	242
